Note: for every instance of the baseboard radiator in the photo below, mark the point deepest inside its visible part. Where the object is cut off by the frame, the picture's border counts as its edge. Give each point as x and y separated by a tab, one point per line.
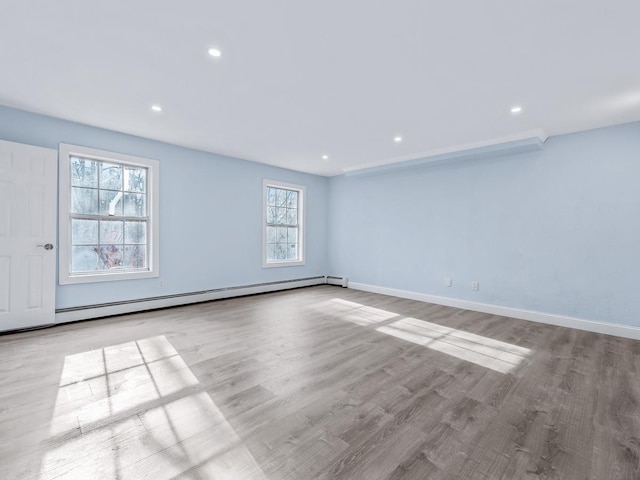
86	312
338	281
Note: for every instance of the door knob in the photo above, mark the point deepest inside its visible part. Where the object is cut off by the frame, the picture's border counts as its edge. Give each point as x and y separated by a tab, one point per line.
46	246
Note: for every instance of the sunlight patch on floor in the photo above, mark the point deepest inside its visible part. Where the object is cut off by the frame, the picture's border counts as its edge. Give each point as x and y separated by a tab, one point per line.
358	313
499	356
134	411
486	352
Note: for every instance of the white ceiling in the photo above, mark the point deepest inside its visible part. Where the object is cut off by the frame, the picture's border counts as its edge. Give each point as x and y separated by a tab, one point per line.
299	79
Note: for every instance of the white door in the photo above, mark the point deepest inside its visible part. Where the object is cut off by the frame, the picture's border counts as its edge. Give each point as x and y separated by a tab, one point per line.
28	187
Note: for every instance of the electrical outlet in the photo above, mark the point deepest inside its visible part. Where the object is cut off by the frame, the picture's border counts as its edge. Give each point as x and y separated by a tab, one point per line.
161	284
448	282
475	286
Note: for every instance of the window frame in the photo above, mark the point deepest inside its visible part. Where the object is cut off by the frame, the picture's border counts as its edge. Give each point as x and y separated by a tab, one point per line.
65	275
302	193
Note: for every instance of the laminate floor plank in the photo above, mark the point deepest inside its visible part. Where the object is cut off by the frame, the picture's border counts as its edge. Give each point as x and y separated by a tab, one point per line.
318	383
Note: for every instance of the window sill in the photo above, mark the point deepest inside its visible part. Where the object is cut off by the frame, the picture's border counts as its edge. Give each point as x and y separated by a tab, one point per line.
106	277
296	263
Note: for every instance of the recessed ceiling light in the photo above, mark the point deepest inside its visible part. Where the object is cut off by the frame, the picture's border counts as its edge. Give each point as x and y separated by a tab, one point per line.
397	139
156	108
325	157
214	52
516	109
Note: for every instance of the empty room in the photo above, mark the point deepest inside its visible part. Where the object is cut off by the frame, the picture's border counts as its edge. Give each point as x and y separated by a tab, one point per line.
298	240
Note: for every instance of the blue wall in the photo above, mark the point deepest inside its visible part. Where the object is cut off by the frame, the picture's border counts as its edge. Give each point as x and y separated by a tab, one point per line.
555	231
210	213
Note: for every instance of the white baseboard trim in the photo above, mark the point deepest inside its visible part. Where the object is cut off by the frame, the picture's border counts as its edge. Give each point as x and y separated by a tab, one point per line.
531	315
108	309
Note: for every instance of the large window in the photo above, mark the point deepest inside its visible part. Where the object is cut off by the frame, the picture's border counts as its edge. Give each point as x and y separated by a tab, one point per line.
283	234
108	216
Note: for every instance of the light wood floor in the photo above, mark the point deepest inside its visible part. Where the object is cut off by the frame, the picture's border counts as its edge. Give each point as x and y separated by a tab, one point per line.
321	382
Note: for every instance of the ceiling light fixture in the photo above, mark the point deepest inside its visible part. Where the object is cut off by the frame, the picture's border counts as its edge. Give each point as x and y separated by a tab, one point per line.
214	52
516	109
397	139
325	157
156	108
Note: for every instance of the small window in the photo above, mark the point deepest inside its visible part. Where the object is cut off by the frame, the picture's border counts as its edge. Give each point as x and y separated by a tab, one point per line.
283	233
108	216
